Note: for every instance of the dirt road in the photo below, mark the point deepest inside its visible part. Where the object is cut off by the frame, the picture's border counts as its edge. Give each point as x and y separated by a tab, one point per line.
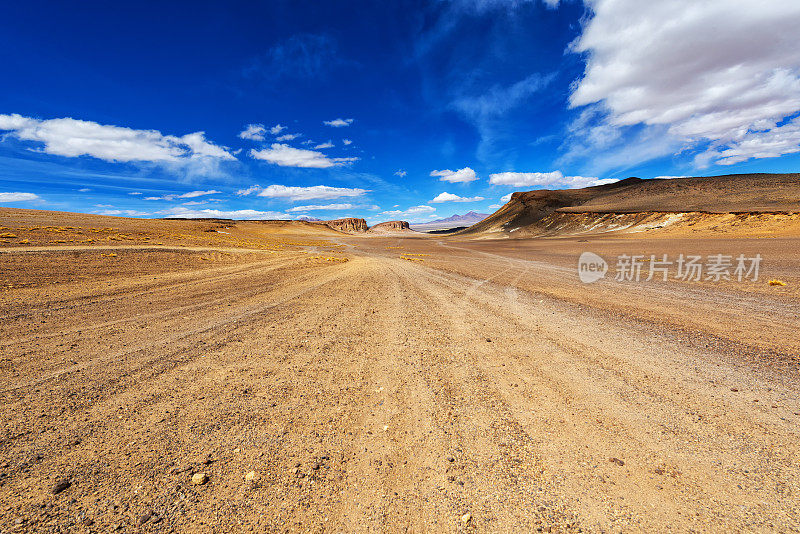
469	392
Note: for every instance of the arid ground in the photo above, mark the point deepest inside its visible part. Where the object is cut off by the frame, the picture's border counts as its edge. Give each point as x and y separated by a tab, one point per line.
400	383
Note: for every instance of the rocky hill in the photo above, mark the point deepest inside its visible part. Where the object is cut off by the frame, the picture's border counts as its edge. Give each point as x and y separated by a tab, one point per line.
348	225
390	227
611	206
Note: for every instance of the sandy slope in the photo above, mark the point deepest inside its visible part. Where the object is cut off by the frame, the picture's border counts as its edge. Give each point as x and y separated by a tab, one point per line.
382	394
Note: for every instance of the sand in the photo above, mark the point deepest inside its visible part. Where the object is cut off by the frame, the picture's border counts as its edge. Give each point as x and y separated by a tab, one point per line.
395	384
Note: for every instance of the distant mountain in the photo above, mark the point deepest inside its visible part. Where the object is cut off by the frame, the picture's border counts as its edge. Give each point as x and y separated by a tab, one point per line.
454	221
470	217
308	219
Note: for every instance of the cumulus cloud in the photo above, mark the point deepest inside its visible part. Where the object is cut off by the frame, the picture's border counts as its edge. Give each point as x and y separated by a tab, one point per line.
461	175
685	66
186	213
73	138
254	132
338	123
347	142
286	156
544	179
314	192
401	173
505	198
288	137
323	146
449	197
190	194
318	207
275	130
18	197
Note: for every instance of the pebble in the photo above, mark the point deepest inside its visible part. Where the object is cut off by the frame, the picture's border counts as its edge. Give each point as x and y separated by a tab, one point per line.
616	461
252	476
199	478
466	517
61	485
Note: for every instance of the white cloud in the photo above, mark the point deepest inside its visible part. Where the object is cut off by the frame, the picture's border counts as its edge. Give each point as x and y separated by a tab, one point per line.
288	137
254	132
193	194
18	197
495	206
461	175
724	72
449	197
84	190
134	193
323	145
414	212
73	138
338	123
347	142
129	213
186	213
771	143
287	156
526	179
190	194
401	173
249	191
275	130
545	179
505	198
317	207
314	192
595	181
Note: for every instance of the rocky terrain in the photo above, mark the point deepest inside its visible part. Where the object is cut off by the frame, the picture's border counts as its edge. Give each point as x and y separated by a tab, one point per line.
349	225
390	227
220	376
540	212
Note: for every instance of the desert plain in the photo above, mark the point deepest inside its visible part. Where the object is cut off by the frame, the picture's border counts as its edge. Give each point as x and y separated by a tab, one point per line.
396	382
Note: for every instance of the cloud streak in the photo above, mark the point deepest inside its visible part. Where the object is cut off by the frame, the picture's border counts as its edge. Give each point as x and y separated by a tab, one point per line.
338	123
544	179
294	193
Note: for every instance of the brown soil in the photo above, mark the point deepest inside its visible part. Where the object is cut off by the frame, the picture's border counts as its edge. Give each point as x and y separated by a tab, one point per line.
389	384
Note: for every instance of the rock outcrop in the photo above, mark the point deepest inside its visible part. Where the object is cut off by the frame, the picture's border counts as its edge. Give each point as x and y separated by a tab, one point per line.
349	225
390	226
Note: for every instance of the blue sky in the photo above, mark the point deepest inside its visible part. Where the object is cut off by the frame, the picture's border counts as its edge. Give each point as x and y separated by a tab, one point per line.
383	110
